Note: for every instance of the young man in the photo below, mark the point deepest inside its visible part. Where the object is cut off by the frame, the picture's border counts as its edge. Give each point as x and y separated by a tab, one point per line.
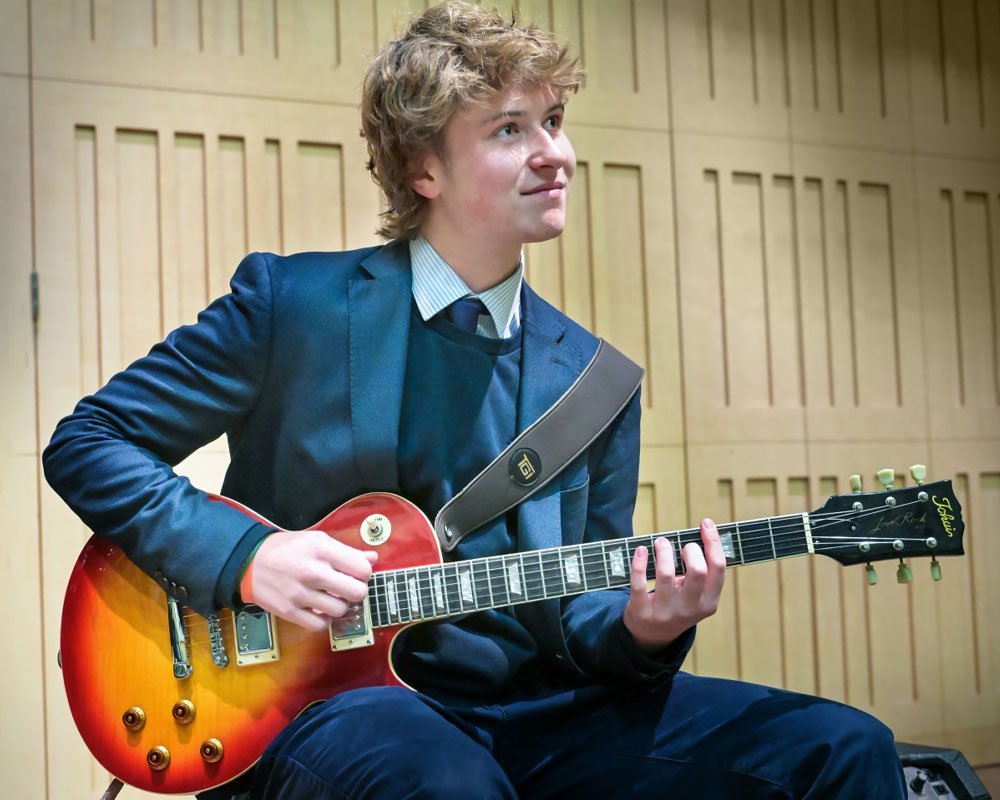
407	368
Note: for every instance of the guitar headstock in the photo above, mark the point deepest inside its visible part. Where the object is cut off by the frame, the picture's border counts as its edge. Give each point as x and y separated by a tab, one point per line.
917	521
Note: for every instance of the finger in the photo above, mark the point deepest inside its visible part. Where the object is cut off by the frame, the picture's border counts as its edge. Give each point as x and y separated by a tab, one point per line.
307	618
665	567
338	584
637	578
344	558
694	571
326	604
715	556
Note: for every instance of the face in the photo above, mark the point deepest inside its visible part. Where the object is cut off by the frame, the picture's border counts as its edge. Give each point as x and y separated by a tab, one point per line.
506	171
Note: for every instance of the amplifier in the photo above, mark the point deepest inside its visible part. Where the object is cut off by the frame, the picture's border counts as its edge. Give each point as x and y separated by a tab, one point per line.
934	773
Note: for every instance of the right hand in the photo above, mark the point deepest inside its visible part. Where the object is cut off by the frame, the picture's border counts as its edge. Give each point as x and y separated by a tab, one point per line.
309	578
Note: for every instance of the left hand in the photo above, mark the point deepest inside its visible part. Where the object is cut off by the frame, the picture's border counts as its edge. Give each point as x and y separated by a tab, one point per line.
677	602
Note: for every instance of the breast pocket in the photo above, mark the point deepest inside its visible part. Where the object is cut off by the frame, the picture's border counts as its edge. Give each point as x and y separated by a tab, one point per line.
573	511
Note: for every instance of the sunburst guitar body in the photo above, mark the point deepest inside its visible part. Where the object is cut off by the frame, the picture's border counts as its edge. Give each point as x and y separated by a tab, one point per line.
118	663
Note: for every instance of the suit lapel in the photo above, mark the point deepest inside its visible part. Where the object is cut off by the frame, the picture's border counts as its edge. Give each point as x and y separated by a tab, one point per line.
548	366
379	335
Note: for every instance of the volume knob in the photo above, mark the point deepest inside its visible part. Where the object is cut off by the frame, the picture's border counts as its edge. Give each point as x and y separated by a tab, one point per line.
211	750
183	712
158	758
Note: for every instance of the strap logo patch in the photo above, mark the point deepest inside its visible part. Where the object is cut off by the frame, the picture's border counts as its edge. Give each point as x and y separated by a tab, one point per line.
524	466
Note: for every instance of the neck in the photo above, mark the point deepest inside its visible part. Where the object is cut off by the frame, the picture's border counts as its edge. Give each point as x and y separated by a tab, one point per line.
460	587
480	263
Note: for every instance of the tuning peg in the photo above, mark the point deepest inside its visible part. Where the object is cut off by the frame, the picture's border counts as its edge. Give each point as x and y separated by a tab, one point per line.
886	477
872	577
903	573
935	569
918	472
855	483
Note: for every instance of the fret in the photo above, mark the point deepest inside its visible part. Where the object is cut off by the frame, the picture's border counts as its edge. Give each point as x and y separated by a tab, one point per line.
441	604
466	591
498	582
402	597
604	562
481	575
514	578
678	561
793	539
541	574
413	594
391	599
572	576
726	540
374	606
452	592
427	608
552	573
531	572
594	572
770	531
739	542
619	562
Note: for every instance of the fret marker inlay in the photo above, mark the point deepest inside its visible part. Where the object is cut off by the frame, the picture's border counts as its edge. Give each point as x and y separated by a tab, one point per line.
572	565
514	578
617	563
465	579
390	587
727	546
411	584
438	592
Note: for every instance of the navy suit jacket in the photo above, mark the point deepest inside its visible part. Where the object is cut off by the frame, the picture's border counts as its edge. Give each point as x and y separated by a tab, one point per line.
302	366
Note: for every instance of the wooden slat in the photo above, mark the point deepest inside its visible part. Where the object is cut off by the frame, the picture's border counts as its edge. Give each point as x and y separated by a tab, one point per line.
22	740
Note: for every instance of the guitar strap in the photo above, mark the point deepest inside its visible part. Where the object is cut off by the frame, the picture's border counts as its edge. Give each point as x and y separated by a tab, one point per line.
545	447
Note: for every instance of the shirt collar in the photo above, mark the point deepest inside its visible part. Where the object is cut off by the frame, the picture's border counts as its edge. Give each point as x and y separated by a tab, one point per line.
436	286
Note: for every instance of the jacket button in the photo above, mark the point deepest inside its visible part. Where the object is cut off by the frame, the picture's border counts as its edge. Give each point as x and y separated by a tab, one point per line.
559	656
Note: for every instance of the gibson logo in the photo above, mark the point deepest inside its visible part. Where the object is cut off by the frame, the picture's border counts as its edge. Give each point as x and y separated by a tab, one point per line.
944	507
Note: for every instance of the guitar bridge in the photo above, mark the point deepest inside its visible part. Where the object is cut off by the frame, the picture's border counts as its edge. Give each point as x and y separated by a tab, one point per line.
354	630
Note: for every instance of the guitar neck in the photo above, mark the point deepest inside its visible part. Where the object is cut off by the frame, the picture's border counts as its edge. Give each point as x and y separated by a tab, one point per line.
462	587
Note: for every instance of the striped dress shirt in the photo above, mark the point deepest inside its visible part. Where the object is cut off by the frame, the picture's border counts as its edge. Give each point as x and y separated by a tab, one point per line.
436	286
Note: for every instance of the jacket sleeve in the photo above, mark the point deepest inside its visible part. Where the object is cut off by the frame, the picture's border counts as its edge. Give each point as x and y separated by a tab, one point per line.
597	638
111	460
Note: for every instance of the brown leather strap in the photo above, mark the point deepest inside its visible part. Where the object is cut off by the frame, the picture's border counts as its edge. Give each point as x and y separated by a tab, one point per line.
545	447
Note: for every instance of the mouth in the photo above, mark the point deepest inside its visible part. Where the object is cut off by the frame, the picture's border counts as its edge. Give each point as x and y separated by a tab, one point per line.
554	189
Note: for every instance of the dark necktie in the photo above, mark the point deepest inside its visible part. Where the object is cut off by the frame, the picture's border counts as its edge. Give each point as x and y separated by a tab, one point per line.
465	313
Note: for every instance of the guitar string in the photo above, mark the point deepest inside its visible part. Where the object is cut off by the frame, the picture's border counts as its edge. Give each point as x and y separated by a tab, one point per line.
595	556
406	616
790	526
751	544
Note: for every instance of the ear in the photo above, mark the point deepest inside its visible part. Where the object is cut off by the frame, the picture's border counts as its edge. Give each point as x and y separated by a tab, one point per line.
425	178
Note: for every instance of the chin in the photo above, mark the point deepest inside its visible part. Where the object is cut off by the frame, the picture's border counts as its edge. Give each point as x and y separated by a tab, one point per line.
545	230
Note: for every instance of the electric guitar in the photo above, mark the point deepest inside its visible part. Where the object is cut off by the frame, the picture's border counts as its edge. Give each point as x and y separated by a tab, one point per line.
169	701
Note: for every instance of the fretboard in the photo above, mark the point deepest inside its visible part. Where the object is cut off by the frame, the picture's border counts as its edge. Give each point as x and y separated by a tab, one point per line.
462	587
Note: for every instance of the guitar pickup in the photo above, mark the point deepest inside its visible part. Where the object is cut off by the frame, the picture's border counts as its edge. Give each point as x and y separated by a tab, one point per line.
256	637
353	630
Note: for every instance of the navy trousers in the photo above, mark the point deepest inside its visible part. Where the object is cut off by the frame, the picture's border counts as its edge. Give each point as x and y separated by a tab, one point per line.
697	738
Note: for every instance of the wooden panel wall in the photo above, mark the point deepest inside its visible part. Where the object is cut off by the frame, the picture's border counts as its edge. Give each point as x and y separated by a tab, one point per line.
788	212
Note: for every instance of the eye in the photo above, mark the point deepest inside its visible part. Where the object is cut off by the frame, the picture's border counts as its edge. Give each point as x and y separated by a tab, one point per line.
507	130
554	122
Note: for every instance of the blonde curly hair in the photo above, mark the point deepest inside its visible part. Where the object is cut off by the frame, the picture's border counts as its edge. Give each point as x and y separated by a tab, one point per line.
452	56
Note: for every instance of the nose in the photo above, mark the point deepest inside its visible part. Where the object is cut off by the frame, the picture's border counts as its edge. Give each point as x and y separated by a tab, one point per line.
546	151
